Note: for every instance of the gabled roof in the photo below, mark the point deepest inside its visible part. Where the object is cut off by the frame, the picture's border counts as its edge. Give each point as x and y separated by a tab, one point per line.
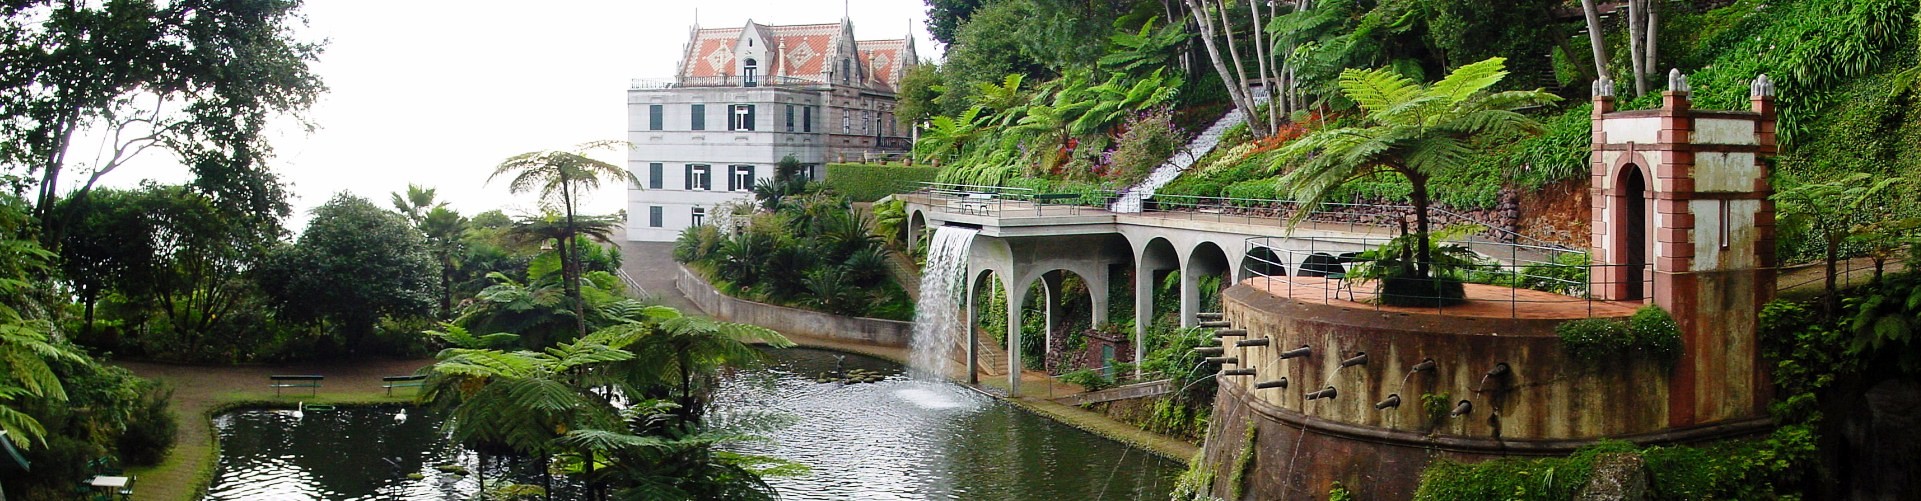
797	51
884	60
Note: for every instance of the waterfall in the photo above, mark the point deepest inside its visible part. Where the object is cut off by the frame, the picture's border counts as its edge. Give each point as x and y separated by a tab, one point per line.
938	316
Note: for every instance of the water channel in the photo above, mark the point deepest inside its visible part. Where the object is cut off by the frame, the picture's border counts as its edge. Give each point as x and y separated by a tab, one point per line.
899	438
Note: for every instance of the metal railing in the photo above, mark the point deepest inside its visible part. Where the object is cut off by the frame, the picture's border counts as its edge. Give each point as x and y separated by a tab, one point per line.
1007	201
1328	214
720	81
1329	270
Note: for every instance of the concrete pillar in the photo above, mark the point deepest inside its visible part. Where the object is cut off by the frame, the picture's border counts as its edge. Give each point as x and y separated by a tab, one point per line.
1097	293
973	332
1016	295
1051	305
1190	298
1143	310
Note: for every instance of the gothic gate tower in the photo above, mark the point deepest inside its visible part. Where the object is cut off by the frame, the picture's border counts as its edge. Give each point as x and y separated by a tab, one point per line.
1681	219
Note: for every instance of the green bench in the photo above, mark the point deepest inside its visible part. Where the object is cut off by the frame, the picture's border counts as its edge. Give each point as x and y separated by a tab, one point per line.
281	381
1044	199
391	382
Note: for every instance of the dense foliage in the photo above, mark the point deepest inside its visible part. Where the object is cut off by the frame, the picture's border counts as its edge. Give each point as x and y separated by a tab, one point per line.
810	249
64	408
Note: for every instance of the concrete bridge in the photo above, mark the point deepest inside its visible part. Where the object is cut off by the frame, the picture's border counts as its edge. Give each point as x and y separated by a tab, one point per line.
1022	242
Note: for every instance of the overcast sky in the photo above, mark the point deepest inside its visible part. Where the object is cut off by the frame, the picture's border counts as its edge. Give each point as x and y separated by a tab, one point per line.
438	92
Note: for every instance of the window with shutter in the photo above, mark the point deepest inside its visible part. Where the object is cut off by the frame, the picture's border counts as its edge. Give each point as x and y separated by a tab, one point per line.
807	119
790	118
688	178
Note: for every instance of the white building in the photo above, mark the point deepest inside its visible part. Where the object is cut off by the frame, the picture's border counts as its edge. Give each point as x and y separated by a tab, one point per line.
743	99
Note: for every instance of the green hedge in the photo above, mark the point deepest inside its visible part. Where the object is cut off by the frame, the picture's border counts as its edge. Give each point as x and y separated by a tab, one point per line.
870	182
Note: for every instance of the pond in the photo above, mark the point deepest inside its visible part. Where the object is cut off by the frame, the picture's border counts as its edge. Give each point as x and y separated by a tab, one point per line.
898	438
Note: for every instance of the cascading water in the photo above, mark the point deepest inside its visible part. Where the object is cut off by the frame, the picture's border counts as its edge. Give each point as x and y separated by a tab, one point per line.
938	333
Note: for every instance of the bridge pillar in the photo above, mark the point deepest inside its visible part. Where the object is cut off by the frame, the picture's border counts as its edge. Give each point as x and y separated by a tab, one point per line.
1097	283
1143	310
973	332
1016	296
1051	287
1190	298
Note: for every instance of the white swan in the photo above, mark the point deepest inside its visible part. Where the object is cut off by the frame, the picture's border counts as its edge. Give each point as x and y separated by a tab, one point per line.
401	417
300	412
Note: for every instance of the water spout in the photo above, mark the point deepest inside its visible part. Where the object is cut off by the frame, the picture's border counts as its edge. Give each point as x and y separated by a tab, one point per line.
1278	383
1393	401
1461	409
1499	374
1238	372
1427	364
1230	333
1251	342
1303	351
1215	324
1359	358
1327	393
1222	360
1208	315
1209	350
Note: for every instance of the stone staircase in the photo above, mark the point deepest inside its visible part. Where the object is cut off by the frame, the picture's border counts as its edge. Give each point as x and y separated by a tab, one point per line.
1130	200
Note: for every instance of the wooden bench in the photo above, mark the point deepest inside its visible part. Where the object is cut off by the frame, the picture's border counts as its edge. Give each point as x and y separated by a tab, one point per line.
311	382
391	382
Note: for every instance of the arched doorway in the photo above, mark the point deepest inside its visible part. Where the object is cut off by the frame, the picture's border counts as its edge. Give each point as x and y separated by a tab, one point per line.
1633	228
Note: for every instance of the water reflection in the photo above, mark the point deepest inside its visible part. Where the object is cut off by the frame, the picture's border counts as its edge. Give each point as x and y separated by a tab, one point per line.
907	439
895	439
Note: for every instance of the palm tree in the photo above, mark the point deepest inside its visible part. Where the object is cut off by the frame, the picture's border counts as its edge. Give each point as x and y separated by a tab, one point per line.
444	229
562	176
1409	129
416	203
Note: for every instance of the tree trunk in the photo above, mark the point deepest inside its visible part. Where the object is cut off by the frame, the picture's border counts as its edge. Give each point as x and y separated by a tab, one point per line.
1651	32
446	288
1234	90
546	477
480	472
1260	56
1422	255
570	254
1240	72
1831	301
1637	25
1595	38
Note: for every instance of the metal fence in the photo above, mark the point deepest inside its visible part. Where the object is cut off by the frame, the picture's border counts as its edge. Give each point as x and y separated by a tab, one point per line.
1528	277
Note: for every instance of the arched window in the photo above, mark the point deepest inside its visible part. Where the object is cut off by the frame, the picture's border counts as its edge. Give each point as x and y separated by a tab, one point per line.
749	73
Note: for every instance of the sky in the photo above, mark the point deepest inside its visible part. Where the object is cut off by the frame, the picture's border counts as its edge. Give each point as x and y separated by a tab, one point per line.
437	92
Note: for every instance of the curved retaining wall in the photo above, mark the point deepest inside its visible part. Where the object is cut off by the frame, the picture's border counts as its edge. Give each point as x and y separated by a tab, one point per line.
790	320
1547	404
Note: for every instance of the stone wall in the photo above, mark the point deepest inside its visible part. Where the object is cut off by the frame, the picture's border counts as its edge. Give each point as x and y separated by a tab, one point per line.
791	320
1547	403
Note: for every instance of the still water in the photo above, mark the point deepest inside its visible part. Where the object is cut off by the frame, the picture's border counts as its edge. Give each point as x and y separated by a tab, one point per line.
895	439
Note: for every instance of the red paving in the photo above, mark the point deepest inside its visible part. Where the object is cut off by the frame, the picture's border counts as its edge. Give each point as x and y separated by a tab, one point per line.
1484	301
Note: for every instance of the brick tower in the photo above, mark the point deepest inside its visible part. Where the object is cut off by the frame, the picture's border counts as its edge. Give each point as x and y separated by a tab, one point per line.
1681	219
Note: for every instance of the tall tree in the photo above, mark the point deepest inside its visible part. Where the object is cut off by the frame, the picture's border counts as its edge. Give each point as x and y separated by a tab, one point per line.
562	177
1413	130
416	203
1200	12
1596	38
354	264
444	230
201	79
